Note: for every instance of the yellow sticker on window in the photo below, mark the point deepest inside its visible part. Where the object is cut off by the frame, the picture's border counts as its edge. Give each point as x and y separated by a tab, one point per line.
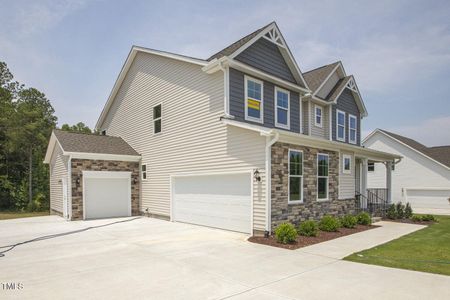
253	104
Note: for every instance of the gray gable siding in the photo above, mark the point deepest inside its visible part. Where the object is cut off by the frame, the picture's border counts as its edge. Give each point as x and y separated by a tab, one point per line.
266	56
346	102
237	104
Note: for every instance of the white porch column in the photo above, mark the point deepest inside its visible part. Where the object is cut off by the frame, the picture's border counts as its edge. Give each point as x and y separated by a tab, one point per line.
389	181
364	163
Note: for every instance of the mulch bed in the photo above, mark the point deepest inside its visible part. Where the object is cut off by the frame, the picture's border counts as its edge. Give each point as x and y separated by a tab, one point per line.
408	221
303	241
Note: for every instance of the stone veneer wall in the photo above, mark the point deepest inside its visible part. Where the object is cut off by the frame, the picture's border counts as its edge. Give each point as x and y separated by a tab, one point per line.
79	165
310	209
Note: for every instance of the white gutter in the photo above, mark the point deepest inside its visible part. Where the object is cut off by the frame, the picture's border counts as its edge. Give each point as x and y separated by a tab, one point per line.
269	143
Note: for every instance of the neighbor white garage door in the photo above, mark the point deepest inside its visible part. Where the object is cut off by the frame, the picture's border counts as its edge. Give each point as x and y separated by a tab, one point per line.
429	201
106	194
221	201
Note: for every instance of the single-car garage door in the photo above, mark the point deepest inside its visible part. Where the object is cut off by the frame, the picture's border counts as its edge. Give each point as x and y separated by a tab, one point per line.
221	201
106	194
431	201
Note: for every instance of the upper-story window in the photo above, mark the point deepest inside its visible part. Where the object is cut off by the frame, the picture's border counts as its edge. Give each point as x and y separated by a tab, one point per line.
157	113
253	100
340	125
352	129
282	108
318	111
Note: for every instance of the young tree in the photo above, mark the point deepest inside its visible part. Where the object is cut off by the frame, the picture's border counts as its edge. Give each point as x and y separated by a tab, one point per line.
80	127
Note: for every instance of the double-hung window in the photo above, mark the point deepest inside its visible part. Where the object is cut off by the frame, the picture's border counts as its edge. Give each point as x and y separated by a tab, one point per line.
340	125
346	164
322	176
352	125
254	100
318	115
157	118
371	167
295	176
144	172
281	108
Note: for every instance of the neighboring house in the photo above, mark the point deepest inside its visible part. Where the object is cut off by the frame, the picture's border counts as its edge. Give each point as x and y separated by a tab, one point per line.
422	177
209	132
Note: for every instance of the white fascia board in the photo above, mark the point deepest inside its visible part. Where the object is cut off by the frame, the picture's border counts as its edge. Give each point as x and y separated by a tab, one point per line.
130	58
103	156
400	142
359	100
262	130
328	77
317	100
51	147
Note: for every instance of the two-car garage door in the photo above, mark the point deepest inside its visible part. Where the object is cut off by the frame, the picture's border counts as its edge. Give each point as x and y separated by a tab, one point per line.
429	201
221	201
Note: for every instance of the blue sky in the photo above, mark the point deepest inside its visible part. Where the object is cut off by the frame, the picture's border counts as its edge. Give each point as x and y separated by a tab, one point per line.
399	51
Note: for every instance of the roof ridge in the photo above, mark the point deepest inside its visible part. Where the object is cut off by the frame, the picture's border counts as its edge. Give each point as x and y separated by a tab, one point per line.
321	67
85	133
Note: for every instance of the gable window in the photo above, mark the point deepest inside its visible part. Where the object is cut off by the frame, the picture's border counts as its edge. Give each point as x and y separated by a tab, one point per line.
253	100
346	164
318	116
144	172
322	176
371	167
295	170
340	125
282	108
157	118
352	129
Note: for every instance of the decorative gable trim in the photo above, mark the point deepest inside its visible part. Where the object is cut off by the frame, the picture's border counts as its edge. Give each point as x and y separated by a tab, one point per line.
351	85
275	37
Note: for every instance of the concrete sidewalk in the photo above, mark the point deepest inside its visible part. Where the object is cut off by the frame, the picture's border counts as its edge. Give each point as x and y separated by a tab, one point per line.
346	245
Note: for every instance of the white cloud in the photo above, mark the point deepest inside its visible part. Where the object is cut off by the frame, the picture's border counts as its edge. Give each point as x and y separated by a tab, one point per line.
430	132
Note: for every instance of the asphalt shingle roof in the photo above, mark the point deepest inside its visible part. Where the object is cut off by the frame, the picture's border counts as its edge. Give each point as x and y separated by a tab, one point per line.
93	143
314	78
438	153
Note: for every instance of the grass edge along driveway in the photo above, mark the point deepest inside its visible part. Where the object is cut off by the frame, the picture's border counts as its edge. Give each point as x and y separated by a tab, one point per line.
8	215
426	250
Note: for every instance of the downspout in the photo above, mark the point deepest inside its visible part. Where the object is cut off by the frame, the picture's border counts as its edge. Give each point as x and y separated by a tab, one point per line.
270	140
226	90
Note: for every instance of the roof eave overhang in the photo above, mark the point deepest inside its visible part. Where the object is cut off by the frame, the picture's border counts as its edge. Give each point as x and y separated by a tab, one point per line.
103	156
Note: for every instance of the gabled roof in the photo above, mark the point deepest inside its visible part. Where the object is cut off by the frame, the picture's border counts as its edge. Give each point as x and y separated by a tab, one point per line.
82	143
317	76
440	154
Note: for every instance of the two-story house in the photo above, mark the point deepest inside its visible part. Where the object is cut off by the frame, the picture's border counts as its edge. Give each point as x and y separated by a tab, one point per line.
242	141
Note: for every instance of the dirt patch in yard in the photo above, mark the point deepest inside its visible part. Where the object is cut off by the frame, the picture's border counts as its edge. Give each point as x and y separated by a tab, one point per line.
303	241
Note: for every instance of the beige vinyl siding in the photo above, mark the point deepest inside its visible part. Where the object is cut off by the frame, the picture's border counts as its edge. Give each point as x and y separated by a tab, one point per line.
58	170
192	139
305	117
324	131
346	181
328	86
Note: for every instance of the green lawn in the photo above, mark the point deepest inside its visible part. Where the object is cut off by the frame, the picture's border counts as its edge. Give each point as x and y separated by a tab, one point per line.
426	250
6	215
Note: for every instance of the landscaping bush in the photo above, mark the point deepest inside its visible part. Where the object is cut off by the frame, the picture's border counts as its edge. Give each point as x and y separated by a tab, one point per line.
329	223
391	212
408	211
285	233
364	219
349	221
400	209
428	218
416	218
308	228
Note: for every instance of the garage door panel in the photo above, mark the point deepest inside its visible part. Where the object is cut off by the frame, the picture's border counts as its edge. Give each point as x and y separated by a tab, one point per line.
429	201
222	201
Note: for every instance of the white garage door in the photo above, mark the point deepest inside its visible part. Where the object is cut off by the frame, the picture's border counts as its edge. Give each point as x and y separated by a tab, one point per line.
106	194
429	201
221	201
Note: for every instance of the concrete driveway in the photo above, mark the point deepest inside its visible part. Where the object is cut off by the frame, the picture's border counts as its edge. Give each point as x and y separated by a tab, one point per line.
154	259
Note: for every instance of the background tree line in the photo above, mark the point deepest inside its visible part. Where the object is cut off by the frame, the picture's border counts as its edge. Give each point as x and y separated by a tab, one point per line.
27	119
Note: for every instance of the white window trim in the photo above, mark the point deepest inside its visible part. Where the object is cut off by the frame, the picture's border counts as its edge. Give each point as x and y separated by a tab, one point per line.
344	171
349	129
327	177
154	120
247	117
281	125
368	167
142	172
297	176
315	116
337	125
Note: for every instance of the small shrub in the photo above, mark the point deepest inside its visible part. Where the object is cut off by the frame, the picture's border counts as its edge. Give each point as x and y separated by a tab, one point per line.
349	221
308	228
285	233
329	223
408	211
416	218
428	218
391	212
400	209
364	219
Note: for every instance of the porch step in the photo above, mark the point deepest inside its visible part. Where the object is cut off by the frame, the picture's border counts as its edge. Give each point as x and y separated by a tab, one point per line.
376	219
